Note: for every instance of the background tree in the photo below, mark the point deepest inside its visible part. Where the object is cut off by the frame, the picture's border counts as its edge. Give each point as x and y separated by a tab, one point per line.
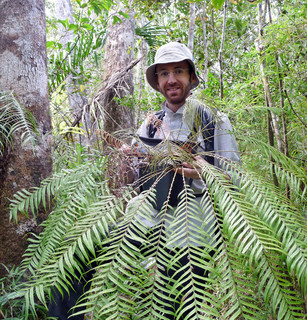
23	70
119	53
204	23
191	26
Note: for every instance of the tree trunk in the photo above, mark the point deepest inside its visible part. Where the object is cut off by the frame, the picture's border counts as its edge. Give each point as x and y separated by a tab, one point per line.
220	57
118	55
191	27
142	54
267	92
63	11
281	90
204	23
23	70
213	31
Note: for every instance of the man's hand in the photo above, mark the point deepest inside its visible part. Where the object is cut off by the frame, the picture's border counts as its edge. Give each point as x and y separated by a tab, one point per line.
192	170
129	150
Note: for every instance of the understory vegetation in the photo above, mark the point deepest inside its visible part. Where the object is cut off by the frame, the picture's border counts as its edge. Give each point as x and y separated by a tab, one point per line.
255	264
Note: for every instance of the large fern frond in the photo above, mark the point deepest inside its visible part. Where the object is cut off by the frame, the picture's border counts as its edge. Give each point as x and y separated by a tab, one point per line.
14	118
247	236
285	169
258	224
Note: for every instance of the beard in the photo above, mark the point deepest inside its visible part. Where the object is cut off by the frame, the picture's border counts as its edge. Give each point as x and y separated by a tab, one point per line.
177	94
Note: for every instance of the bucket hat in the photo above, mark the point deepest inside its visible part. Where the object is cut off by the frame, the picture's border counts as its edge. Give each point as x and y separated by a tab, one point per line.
168	53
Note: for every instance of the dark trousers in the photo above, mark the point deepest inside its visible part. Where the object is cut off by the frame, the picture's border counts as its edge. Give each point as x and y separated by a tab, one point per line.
60	306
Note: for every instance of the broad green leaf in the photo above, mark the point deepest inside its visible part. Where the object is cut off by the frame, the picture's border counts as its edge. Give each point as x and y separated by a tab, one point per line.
218	4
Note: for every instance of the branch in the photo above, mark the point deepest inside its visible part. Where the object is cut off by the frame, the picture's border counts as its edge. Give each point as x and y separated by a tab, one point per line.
291	106
100	97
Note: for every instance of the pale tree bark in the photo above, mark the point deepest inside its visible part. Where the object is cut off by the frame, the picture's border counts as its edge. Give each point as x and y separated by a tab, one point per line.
142	52
118	55
63	11
213	30
220	56
23	70
204	23
260	47
281	90
191	26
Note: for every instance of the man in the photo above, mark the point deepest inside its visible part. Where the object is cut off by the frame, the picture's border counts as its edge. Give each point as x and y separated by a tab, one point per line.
173	75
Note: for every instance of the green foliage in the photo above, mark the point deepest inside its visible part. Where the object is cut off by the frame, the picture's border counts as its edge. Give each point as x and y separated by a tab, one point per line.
12	304
14	118
84	52
150	33
86	188
285	61
149	8
218	4
71	59
96	5
258	269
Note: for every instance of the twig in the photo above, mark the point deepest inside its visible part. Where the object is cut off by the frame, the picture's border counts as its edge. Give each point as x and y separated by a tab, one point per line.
291	106
2	314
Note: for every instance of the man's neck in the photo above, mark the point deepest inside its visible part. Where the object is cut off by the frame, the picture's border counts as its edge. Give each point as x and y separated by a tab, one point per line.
174	107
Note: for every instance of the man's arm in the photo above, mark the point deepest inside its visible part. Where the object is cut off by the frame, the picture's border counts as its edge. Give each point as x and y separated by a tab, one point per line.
225	144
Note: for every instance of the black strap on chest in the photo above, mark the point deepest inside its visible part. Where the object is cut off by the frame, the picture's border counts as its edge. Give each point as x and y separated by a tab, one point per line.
153	126
207	126
206	122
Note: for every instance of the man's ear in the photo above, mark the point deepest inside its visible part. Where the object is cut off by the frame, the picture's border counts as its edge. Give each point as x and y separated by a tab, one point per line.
193	77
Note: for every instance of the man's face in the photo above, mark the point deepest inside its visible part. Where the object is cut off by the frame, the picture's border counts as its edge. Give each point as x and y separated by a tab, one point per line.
174	81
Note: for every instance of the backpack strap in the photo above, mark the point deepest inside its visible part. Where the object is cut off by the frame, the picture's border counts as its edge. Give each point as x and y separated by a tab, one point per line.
207	129
153	125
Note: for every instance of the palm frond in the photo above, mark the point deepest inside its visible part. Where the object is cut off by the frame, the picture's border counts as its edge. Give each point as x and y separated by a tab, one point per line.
15	118
286	170
150	33
260	225
70	60
247	237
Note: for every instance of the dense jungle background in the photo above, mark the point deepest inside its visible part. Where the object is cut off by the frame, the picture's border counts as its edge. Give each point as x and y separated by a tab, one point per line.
72	92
